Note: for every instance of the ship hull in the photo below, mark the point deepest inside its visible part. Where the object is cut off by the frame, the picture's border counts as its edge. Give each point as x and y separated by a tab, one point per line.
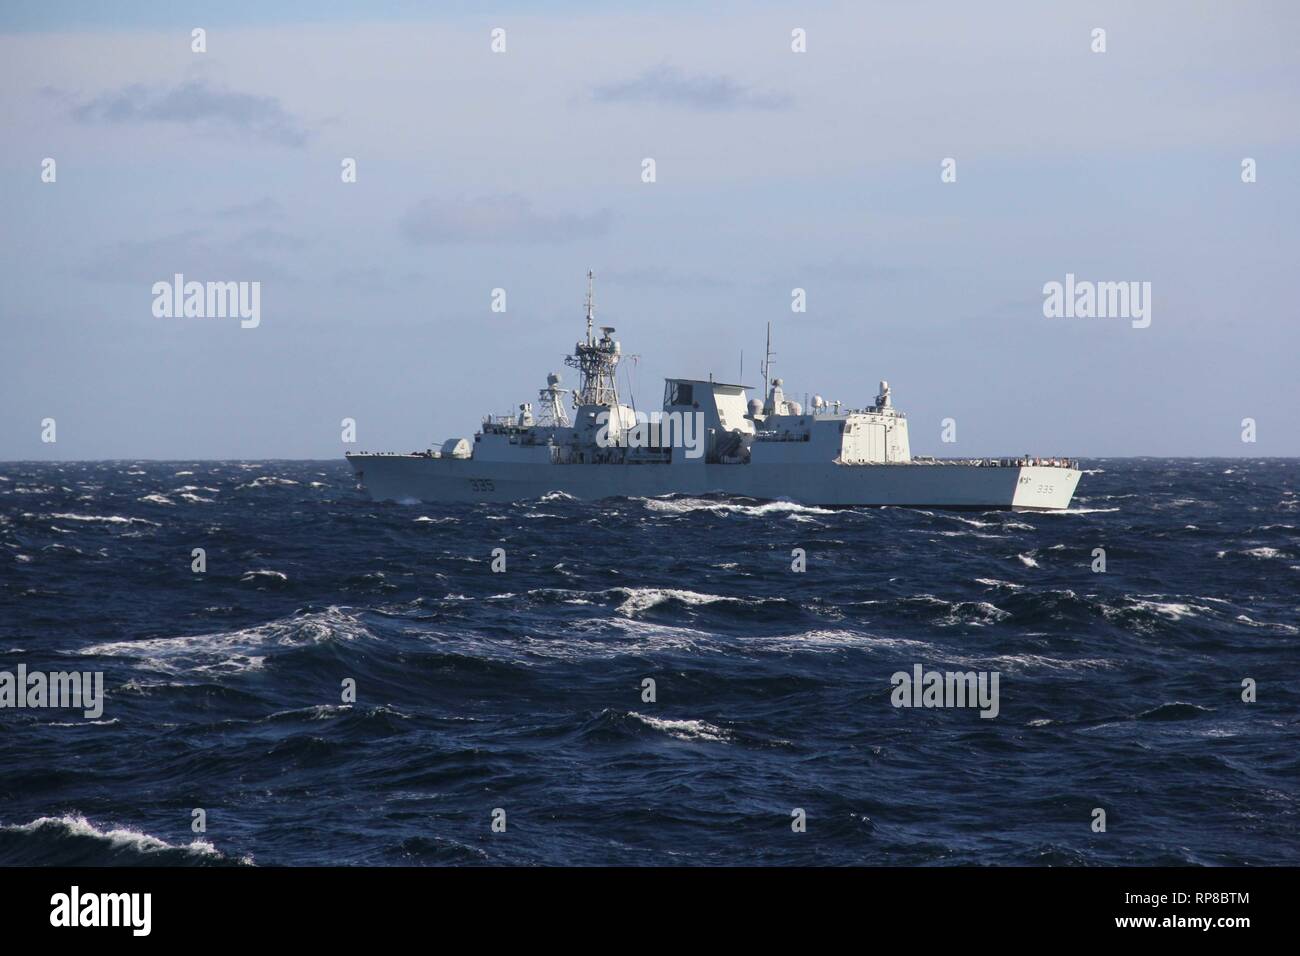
915	485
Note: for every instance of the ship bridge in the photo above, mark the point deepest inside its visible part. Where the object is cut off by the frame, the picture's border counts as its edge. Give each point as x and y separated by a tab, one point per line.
724	406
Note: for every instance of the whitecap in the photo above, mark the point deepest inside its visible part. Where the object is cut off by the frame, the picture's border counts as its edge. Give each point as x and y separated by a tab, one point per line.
977	613
1284	628
1173	610
266	481
107	519
642	599
974	523
1015	662
688	505
683	729
234	651
264	575
833	640
118	838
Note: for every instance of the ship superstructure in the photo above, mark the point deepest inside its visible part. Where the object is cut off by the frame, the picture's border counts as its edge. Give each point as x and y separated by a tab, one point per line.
708	438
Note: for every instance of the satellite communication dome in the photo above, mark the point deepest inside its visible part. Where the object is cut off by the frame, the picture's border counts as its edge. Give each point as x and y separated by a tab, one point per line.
819	402
755	407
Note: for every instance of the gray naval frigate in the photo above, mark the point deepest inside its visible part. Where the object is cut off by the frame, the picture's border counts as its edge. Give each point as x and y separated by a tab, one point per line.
709	438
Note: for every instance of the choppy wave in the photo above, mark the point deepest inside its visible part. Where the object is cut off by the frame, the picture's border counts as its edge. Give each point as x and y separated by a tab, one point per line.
643	599
72	840
105	519
351	682
1263	553
720	506
683	729
234	651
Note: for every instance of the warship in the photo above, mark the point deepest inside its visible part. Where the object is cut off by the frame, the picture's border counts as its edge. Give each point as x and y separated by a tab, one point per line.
709	438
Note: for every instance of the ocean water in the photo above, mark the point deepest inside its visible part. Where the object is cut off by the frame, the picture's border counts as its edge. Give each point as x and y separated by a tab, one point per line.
523	690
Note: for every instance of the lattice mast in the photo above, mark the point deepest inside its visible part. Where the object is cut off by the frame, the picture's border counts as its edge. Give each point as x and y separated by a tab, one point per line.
551	403
595	359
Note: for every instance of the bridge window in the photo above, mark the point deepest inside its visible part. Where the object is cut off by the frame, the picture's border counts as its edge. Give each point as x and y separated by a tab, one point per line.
679	393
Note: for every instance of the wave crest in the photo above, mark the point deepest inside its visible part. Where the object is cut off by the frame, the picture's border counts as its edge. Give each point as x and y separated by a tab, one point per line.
72	840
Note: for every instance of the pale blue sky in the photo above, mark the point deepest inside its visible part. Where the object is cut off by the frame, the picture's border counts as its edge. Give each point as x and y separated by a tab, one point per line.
775	170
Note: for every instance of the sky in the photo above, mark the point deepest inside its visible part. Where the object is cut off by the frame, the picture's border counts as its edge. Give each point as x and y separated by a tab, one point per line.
520	170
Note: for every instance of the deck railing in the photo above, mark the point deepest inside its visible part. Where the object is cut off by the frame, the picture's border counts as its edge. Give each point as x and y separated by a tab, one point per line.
1023	462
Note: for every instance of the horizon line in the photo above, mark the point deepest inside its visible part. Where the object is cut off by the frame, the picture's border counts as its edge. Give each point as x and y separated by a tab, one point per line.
138	461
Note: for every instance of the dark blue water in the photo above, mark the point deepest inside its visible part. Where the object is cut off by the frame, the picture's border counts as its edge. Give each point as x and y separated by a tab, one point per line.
522	690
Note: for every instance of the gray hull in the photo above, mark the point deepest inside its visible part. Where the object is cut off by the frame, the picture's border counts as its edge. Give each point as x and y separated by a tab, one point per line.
914	484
